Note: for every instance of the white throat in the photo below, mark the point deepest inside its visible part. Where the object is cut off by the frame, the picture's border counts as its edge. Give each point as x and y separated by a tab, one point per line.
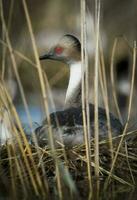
74	81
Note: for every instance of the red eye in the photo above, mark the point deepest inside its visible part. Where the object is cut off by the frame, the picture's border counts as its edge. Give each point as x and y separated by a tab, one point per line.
58	50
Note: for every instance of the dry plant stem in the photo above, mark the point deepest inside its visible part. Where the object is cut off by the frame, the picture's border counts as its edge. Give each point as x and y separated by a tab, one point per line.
96	127
3	36
113	176
46	83
53	80
19	54
128	162
11	172
52	102
129	112
57	76
85	112
11	149
34	65
20	86
61	73
103	83
127	43
43	89
15	67
3	55
127	156
19	142
44	94
19	170
19	138
62	145
113	81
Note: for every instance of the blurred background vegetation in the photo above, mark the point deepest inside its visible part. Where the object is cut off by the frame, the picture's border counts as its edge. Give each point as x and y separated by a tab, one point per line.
50	20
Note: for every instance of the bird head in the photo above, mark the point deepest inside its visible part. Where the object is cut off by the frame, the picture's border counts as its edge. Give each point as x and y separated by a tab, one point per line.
67	50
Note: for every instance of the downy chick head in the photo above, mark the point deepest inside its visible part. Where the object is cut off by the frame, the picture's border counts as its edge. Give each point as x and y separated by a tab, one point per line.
67	50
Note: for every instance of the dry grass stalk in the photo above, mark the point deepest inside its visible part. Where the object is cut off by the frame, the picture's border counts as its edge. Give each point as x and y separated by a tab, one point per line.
96	127
112	79
85	95
103	83
129	111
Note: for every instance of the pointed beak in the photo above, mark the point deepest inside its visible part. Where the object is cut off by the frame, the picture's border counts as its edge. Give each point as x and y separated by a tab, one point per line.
46	56
50	55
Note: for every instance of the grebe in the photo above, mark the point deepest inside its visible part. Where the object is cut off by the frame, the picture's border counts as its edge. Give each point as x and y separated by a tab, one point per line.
68	50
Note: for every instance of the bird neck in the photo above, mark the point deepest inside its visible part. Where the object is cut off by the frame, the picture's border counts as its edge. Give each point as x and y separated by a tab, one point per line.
73	94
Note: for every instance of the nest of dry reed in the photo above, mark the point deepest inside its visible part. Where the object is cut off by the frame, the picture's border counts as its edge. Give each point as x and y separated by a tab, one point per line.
35	172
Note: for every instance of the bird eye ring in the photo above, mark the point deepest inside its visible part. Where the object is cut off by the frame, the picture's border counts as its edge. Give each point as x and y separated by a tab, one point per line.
58	50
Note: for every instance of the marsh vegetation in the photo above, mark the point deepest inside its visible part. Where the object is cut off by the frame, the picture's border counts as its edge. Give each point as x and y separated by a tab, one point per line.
96	169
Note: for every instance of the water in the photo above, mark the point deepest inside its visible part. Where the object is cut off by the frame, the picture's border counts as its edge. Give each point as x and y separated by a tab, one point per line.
35	113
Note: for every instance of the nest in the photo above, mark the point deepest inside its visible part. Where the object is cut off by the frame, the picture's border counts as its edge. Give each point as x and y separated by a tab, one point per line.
34	172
